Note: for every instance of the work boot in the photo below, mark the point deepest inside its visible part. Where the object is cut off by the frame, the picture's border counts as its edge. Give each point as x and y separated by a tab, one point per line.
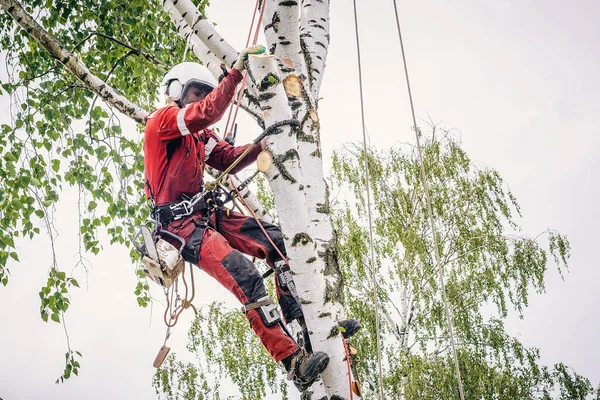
305	368
351	326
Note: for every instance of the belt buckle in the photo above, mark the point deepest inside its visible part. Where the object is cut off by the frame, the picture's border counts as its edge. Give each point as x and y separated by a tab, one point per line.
187	210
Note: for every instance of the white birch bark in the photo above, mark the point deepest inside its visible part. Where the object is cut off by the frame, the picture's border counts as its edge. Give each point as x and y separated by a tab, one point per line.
72	63
204	30
314	35
285	35
198	47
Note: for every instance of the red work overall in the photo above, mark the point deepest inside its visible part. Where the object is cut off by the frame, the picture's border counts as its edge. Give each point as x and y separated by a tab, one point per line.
177	145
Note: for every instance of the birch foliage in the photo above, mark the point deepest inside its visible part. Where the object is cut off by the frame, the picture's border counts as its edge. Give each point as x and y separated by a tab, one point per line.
62	134
491	268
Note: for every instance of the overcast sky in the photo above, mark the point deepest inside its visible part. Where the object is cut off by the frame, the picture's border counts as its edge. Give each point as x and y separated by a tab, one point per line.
516	79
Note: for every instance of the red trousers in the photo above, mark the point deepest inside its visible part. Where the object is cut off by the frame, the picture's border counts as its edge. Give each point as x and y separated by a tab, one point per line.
220	256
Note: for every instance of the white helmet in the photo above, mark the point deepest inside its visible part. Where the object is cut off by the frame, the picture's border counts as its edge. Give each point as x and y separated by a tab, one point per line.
178	80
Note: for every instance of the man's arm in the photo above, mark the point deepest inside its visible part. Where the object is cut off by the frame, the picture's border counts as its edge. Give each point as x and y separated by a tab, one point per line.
219	154
176	122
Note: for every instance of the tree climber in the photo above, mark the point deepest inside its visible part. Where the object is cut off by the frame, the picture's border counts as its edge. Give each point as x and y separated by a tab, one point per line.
178	143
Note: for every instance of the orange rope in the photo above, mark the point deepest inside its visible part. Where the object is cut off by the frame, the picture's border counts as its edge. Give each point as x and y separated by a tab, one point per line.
348	362
185	303
240	92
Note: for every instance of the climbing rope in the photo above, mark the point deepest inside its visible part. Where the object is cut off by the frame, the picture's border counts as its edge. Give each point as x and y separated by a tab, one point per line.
172	310
430	211
373	272
259	6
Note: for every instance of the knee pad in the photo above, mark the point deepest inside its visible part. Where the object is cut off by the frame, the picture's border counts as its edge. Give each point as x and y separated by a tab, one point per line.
267	309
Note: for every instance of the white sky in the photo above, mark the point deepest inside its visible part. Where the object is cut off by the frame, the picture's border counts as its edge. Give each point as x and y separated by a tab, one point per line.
518	79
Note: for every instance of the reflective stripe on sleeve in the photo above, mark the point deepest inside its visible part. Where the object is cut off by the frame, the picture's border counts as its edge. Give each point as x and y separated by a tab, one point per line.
181	122
210	145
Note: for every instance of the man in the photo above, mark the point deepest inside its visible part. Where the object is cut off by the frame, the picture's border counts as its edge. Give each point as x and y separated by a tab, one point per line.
178	143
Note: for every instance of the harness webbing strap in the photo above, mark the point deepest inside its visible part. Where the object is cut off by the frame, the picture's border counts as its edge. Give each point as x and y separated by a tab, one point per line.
258	304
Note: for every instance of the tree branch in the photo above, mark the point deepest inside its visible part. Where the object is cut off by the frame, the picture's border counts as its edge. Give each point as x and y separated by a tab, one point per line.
314	36
203	29
71	62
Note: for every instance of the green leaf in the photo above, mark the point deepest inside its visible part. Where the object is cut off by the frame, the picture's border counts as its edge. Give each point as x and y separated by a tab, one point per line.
55	317
14	256
55	165
8	156
47	203
92	205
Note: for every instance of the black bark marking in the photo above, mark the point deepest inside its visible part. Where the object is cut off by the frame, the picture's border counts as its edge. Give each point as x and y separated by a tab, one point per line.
265	96
278	163
307	138
268	81
335	291
302	238
321	44
324	208
335	331
274	22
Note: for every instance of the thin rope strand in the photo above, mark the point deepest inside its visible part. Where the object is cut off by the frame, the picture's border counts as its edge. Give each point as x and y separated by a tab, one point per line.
430	211
226	131
374	273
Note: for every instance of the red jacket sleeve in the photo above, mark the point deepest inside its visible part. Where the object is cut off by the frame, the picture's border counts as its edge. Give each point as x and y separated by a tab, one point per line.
219	154
176	122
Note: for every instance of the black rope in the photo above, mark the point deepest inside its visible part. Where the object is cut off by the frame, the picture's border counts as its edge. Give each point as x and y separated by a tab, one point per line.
270	130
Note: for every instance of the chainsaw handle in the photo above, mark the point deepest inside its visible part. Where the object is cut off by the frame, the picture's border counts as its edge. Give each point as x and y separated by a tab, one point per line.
174	236
135	243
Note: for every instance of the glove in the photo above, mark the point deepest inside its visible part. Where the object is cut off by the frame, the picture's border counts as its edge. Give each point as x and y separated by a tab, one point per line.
240	63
